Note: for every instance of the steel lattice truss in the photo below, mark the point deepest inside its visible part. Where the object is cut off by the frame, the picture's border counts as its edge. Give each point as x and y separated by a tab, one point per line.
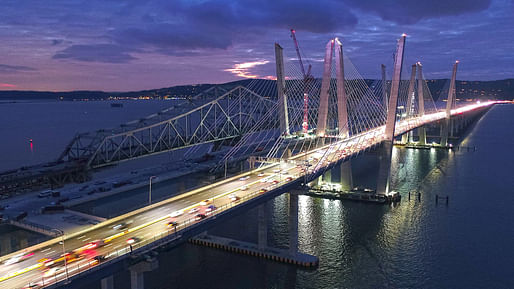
229	116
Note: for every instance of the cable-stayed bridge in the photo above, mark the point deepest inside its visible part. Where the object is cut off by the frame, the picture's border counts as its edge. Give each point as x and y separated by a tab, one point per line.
345	117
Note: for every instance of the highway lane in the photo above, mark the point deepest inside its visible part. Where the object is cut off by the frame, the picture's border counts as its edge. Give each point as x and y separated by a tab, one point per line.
154	221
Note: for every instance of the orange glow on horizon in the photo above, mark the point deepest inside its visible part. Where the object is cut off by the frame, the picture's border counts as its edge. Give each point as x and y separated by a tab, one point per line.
7	85
242	69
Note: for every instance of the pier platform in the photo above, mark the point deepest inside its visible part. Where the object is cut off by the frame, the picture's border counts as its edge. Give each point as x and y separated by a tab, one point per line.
251	249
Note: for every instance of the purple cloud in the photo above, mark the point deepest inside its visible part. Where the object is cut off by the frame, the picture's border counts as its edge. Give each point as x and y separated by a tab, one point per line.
410	12
96	53
4	68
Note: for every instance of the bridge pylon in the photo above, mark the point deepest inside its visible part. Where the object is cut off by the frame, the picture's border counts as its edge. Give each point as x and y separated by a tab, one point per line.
411	95
421	105
449	104
334	46
325	87
342	98
384	87
385	160
281	90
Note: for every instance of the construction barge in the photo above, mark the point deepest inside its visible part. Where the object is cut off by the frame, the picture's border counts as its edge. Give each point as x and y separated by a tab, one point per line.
356	194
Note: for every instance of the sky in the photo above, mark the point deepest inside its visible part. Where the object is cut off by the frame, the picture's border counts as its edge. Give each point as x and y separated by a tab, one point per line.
116	45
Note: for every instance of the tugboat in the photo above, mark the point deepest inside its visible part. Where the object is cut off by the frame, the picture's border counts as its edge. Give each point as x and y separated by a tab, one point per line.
356	194
368	195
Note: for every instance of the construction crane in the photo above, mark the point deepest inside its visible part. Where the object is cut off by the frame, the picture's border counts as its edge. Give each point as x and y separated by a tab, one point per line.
307	79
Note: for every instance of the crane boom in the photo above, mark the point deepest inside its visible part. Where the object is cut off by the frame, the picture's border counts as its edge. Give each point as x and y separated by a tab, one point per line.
293	35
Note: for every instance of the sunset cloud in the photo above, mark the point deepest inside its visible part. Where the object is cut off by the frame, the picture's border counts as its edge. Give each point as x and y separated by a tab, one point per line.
7	85
243	69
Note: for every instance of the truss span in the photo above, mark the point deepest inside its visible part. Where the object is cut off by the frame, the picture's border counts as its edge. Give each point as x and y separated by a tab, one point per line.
229	116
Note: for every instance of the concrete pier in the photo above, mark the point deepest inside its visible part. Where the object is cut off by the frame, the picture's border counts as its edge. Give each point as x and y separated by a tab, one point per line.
384	167
137	279
327	176
346	178
107	282
318	180
262	230
293	224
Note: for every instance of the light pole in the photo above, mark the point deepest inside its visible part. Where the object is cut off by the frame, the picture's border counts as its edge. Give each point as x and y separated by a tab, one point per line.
150	190
61	232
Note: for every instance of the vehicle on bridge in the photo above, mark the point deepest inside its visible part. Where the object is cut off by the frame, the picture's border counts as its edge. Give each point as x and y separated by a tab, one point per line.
210	209
122	226
234	198
176	214
18	258
206	202
134	240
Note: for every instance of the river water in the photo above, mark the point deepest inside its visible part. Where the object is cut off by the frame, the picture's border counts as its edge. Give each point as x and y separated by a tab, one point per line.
415	244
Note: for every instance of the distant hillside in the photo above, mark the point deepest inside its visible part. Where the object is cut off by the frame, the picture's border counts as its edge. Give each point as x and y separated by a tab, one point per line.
498	89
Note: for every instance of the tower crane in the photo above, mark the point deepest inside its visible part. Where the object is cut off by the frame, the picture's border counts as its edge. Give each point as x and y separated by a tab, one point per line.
307	79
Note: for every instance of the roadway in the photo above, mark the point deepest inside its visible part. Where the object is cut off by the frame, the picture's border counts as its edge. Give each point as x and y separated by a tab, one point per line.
153	222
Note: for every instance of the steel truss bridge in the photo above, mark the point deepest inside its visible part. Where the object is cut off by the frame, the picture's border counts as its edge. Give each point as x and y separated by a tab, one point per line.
229	116
223	119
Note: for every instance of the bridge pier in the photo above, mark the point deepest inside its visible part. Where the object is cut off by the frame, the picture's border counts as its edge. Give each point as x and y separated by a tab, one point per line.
318	180
384	167
327	176
137	279
107	282
262	230
293	224
346	178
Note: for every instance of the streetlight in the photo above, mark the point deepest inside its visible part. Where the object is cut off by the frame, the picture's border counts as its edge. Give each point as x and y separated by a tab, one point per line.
150	190
61	232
